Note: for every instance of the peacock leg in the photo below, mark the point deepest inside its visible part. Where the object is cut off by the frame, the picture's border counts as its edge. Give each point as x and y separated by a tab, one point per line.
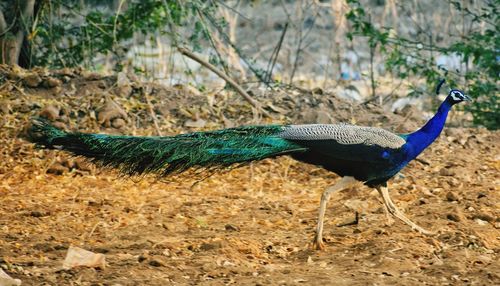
388	215
389	204
344	183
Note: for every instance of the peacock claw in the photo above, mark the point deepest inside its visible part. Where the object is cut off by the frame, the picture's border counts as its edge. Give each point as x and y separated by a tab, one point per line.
423	230
318	244
391	209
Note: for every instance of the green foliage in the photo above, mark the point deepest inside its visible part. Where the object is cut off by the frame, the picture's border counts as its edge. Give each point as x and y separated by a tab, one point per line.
407	57
68	35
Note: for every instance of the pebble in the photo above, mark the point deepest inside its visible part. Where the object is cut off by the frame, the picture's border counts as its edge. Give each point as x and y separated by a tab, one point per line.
209	246
118	123
230	227
446	172
37	214
199	123
52	82
156	263
141	258
57	169
484	217
50	112
452	196
453	217
32	80
480	221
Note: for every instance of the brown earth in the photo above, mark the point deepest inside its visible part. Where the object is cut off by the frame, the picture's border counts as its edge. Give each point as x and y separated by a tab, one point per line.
247	226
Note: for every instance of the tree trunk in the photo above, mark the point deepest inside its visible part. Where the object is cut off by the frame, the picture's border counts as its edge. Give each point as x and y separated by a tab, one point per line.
16	19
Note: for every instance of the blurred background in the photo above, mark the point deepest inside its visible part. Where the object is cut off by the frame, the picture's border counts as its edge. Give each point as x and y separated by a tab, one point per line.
388	52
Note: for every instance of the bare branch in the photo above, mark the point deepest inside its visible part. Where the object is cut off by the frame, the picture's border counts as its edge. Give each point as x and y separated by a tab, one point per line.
28	7
222	75
151	110
3	23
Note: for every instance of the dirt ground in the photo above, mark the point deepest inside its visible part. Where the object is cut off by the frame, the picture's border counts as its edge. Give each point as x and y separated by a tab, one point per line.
248	226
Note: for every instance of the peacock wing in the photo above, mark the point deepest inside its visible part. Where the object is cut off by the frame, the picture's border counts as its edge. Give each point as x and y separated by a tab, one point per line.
345	141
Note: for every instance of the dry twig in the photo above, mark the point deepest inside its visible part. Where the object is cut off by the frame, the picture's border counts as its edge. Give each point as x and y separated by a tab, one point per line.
222	75
151	112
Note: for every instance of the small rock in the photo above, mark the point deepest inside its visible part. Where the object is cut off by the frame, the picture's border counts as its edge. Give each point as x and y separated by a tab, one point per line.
123	90
453	217
91	75
199	123
4	108
57	90
317	90
50	112
230	227
44	246
452	196
23	108
446	172
481	195
64	72
227	263
484	217
323	117
122	79
308	115
59	125
57	169
110	111
156	263
52	82
32	80
209	246
118	123
82	165
480	221
37	214
123	85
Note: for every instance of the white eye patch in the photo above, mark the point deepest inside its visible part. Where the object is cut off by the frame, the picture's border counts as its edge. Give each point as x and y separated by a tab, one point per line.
457	95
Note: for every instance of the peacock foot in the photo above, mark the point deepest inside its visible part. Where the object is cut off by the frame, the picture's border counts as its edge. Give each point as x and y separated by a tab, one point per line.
317	243
422	230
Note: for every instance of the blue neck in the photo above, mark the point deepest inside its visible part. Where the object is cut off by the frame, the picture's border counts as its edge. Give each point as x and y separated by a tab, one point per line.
419	140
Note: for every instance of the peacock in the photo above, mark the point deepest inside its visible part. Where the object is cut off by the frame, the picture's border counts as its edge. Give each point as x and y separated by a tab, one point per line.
358	154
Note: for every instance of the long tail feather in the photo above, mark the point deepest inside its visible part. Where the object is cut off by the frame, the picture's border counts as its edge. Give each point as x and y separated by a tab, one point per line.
165	155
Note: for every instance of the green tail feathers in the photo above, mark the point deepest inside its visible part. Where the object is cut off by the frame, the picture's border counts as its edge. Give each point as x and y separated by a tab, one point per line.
165	155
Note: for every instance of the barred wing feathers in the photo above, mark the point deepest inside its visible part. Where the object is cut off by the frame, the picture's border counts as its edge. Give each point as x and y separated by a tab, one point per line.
345	141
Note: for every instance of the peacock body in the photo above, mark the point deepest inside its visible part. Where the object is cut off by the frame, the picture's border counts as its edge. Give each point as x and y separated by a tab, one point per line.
364	154
371	155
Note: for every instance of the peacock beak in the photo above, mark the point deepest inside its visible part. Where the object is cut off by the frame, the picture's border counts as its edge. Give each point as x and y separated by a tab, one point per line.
467	98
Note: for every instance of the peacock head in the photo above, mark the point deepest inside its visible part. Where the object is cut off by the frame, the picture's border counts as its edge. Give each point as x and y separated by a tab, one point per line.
456	96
